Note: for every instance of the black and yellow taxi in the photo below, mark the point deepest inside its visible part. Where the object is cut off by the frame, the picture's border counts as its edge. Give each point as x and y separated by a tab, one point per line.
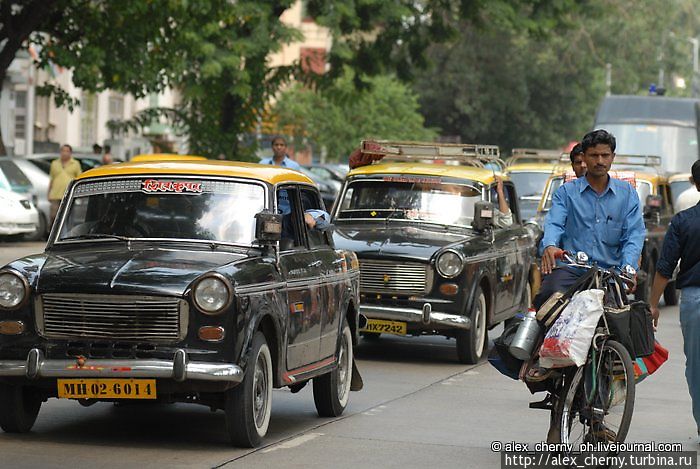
431	259
655	195
180	281
529	169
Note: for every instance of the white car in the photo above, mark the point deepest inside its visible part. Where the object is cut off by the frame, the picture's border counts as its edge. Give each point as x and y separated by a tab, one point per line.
18	216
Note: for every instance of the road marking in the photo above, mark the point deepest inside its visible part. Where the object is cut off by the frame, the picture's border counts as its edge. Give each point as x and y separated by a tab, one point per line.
294	442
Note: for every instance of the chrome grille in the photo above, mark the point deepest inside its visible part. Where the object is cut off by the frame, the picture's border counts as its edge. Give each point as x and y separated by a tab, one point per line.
115	317
408	278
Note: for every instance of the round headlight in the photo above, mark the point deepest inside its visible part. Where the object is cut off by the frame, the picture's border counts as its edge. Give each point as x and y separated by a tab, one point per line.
449	264
211	294
13	290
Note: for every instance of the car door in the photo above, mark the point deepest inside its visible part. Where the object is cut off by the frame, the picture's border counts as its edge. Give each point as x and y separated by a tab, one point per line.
505	244
331	278
300	268
524	249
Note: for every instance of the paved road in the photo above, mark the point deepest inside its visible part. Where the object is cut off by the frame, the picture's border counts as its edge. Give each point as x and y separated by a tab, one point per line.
419	408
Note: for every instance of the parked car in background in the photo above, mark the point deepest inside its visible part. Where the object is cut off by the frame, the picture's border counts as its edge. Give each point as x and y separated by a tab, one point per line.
16	180
430	264
328	174
18	216
86	160
329	192
176	281
40	185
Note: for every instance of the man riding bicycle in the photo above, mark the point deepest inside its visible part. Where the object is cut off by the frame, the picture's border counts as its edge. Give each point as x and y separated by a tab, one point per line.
596	214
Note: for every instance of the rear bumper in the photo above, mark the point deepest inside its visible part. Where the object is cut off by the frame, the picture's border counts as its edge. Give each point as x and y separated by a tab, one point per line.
179	368
425	317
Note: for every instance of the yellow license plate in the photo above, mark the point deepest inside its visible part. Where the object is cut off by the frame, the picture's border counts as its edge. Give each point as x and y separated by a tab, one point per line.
385	327
107	388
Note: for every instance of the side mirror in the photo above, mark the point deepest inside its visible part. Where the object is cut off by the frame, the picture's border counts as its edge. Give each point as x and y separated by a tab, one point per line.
268	227
534	230
483	215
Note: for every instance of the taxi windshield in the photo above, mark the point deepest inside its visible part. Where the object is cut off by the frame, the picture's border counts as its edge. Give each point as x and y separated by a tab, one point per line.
529	186
414	199
180	209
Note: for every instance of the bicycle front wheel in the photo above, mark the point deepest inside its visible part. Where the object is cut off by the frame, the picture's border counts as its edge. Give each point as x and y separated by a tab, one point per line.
599	401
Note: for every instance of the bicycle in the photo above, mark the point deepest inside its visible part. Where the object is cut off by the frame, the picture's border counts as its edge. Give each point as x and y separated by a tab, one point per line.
594	403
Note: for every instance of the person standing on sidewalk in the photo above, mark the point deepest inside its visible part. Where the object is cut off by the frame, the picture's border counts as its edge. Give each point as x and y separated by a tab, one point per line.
681	243
63	171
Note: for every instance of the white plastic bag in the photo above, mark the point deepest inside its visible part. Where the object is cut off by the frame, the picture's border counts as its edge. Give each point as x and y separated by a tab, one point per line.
568	340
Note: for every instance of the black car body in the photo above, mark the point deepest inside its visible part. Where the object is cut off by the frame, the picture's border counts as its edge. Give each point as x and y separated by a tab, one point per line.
172	275
424	268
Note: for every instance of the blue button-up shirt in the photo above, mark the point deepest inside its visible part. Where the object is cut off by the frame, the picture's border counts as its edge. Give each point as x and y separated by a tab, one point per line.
681	242
287	162
609	227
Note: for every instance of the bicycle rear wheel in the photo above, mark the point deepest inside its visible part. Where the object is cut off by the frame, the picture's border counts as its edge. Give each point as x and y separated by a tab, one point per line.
599	401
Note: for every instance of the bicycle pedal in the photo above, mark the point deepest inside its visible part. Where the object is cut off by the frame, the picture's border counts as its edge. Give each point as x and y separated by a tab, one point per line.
545	404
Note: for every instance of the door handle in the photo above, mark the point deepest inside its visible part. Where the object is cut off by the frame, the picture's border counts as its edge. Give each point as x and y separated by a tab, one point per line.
315	264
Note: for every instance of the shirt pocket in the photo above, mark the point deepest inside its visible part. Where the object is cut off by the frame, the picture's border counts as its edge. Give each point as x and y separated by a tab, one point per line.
612	233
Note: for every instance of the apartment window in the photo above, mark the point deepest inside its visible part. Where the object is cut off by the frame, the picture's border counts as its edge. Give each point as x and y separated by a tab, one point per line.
20	114
88	119
116	107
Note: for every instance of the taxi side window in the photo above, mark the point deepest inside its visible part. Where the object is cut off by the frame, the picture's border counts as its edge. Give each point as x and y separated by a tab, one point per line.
311	201
512	201
665	191
288	207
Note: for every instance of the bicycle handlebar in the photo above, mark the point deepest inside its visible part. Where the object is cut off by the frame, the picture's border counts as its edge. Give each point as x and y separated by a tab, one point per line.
580	259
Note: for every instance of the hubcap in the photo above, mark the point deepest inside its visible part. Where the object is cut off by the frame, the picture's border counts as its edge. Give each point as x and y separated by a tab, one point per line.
343	367
480	324
260	388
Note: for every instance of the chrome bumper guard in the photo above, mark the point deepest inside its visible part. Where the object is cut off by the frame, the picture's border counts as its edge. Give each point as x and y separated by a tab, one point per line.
179	368
425	316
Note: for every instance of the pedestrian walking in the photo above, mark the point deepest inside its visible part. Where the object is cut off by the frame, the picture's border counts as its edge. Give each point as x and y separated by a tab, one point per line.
681	243
63	171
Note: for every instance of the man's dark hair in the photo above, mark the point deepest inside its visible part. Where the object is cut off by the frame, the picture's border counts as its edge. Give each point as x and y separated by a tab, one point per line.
577	150
278	137
695	172
108	149
67	146
598	137
96	148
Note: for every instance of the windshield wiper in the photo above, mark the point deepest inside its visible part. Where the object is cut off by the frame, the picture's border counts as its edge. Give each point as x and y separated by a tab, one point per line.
97	236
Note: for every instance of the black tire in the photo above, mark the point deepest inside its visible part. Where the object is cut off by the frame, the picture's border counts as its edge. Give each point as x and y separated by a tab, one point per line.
19	407
643	292
577	417
671	294
332	390
472	343
249	405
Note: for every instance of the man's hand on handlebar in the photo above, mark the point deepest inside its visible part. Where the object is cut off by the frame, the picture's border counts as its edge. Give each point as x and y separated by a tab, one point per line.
549	258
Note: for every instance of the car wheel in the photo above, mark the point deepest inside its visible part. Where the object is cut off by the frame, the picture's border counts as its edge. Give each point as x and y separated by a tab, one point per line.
332	390
643	292
472	343
671	294
19	407
249	405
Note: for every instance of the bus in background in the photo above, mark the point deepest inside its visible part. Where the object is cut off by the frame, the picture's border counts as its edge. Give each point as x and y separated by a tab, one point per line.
654	125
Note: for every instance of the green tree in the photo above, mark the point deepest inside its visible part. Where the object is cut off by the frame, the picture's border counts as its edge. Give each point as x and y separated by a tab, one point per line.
337	117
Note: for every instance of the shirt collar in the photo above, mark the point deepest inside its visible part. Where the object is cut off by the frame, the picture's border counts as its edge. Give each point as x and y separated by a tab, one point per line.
585	184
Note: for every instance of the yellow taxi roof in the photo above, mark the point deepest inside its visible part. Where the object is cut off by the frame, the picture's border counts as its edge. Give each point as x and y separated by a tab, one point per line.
267	173
485	176
536	167
679	177
166	157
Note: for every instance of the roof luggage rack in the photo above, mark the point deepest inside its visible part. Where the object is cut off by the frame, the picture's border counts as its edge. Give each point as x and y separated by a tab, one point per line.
535	155
638	161
455	153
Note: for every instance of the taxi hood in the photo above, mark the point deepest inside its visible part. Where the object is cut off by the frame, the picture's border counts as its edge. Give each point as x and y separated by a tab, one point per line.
412	241
114	269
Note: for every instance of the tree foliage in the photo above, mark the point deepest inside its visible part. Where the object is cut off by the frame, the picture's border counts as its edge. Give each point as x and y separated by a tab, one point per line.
337	117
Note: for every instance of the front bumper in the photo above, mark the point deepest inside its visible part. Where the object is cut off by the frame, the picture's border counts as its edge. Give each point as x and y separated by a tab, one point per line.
425	317
178	369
